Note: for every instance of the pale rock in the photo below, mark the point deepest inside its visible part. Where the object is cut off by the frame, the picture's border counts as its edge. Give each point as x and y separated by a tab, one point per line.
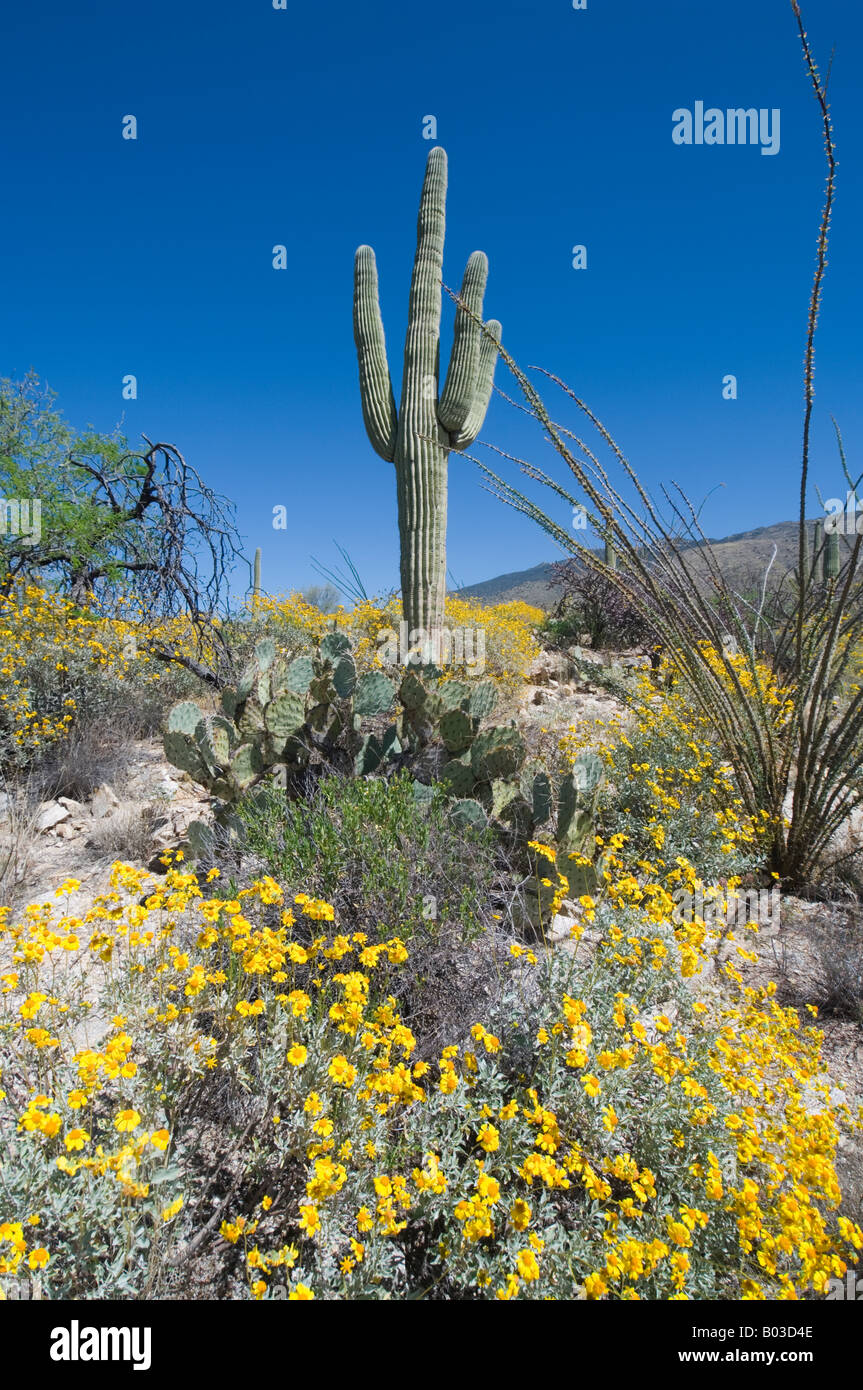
166	787
550	666
104	801
707	968
667	1009
50	814
813	1099
561	928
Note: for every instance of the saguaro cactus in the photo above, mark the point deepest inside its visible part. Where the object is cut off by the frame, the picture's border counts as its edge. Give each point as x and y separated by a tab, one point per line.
256	580
832	563
817	549
429	424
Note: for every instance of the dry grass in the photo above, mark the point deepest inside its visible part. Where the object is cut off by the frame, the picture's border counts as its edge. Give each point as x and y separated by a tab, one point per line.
94	754
19	810
127	833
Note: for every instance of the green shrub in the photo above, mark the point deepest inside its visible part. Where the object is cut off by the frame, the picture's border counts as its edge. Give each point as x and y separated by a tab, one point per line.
367	847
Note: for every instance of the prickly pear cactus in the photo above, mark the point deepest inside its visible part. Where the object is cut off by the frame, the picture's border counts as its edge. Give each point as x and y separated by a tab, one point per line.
316	709
574	840
284	716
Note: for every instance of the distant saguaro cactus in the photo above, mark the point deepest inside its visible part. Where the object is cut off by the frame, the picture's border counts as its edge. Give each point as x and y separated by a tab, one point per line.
418	439
818	551
832	563
256	581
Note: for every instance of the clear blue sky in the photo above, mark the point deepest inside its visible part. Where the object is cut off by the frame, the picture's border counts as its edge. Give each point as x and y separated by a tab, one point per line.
303	126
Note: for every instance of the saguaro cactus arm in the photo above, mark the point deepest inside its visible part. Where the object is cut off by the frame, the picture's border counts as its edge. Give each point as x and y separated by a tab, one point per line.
464	437
461	378
376	390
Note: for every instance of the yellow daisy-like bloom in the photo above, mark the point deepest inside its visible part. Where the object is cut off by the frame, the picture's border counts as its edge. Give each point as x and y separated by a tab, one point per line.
232	1230
76	1139
520	1214
297	1055
595	1286
526	1264
488	1138
126	1121
310	1220
341	1071
301	1293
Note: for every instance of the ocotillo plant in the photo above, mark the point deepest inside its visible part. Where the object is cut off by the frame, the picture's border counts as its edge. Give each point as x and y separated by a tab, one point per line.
418	439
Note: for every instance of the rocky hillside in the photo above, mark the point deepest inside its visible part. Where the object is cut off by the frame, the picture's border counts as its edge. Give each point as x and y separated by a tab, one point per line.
744	556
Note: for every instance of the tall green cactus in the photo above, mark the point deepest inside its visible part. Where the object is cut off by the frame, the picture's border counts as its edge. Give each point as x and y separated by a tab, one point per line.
832	563
816	572
256	582
429	423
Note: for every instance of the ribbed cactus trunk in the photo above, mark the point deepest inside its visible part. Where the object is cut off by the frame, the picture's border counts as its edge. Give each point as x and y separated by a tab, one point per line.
817	552
422	445
429	424
832	564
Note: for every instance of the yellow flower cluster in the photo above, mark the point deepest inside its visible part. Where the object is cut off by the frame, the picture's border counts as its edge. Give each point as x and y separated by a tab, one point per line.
508	629
683	779
200	982
49	650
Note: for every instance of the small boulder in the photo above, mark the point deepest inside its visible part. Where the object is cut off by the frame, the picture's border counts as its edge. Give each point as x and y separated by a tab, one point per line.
104	801
50	814
561	928
166	788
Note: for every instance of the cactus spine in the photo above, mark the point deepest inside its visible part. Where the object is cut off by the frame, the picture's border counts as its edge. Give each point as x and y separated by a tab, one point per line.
429	423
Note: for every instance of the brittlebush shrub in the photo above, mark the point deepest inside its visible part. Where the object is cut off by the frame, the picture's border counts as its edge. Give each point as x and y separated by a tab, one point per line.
669	790
371	850
249	1121
62	666
508	632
